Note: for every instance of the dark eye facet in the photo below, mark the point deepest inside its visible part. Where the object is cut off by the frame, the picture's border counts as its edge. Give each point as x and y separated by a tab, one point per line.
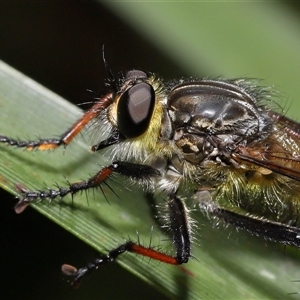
135	110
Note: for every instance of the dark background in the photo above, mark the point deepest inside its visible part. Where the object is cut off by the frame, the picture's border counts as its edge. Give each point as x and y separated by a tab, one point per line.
59	44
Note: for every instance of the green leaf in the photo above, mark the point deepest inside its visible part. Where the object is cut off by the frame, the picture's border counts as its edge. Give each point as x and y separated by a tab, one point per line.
220	262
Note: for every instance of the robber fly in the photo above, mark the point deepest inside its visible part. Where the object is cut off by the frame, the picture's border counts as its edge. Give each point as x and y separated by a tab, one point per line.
218	137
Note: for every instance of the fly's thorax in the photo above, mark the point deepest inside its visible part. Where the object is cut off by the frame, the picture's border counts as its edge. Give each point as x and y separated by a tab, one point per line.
211	117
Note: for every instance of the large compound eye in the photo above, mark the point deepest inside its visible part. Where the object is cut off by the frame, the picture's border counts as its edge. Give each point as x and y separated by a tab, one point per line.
135	110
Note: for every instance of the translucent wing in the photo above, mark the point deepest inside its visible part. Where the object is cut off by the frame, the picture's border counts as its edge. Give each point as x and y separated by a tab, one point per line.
280	152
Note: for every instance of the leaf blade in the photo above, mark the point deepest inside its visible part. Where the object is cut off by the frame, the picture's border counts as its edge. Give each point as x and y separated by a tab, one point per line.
100	224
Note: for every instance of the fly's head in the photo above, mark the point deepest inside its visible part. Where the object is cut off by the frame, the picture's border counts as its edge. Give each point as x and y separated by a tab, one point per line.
135	117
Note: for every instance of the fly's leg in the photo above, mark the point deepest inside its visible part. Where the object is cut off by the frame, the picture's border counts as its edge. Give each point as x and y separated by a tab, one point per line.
68	136
269	230
180	230
134	171
278	232
179	223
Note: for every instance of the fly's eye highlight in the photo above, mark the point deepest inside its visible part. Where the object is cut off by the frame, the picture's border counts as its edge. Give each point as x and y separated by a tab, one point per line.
135	109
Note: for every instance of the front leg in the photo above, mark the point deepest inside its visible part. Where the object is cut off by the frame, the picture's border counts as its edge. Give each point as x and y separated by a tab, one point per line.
67	137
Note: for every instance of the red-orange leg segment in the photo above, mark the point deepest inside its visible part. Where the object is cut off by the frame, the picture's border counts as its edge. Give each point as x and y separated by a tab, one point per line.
181	241
68	136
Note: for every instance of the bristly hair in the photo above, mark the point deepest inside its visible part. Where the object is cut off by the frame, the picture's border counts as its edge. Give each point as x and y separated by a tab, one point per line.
111	80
